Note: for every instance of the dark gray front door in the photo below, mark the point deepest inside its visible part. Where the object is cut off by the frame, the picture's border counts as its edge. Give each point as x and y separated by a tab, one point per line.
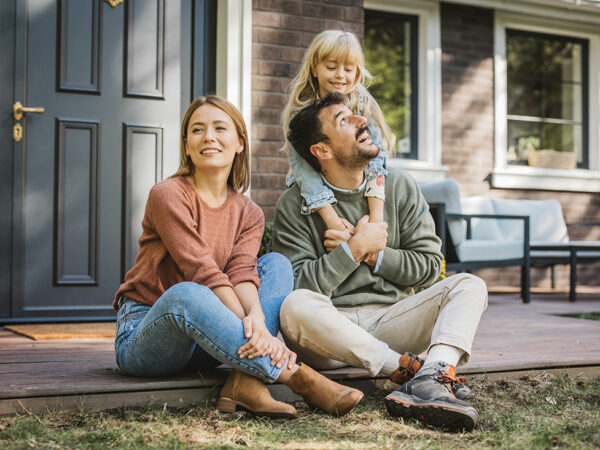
109	79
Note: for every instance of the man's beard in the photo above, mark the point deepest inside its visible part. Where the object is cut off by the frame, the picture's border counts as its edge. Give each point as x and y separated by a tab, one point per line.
358	158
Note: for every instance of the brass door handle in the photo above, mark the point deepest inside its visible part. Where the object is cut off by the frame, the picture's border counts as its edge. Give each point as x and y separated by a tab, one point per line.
19	109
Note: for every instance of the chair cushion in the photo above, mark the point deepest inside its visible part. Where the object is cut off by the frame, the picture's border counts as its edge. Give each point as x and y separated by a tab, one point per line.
447	192
486	250
484	229
546	221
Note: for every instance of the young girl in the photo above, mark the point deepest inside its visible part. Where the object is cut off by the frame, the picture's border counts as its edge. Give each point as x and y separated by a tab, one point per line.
334	62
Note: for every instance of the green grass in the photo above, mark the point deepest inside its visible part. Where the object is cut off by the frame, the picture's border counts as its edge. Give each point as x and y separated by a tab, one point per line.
592	315
538	410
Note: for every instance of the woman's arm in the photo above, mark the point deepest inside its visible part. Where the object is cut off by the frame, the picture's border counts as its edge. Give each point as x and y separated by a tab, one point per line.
229	298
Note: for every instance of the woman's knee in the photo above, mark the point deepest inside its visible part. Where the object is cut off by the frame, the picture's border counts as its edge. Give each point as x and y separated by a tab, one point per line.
184	294
275	261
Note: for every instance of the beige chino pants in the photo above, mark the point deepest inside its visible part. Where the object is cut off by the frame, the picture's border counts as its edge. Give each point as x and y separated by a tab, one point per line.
325	337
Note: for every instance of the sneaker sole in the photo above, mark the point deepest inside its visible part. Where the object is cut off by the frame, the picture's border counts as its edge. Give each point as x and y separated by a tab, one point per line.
437	414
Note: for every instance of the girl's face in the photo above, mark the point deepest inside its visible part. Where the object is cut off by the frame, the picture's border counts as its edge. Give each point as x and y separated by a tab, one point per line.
335	75
212	139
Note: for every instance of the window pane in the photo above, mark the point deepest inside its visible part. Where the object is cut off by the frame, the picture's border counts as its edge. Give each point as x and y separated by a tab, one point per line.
562	101
545	95
388	42
521	136
561	137
524	96
562	61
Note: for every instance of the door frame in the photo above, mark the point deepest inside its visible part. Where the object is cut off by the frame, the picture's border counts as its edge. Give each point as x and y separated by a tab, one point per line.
19	62
7	54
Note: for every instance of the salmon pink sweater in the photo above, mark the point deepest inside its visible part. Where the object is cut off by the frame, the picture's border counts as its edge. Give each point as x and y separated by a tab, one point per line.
184	239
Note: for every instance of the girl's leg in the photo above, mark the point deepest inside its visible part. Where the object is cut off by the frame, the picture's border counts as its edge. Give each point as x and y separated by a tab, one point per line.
375	209
375	193
164	340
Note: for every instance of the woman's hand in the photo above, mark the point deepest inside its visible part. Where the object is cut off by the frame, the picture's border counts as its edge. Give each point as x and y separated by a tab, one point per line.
263	343
281	353
260	342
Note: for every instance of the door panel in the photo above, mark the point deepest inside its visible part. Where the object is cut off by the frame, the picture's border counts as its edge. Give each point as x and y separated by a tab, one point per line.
112	104
76	202
145	47
142	158
80	28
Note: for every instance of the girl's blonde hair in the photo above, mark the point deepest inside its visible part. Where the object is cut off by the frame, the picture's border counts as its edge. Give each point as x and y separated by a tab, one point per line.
341	46
239	177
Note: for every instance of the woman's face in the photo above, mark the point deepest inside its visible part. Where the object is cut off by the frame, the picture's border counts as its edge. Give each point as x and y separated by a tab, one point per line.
212	139
335	75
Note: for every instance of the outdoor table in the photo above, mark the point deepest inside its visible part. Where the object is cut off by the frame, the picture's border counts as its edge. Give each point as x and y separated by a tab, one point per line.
571	249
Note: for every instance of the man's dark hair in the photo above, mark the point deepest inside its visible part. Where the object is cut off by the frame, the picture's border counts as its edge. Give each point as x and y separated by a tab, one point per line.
306	128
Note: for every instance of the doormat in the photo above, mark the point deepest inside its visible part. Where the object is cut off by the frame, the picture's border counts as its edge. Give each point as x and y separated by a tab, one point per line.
44	332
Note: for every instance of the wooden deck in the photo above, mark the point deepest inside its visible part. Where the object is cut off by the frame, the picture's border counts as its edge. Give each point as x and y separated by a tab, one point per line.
82	373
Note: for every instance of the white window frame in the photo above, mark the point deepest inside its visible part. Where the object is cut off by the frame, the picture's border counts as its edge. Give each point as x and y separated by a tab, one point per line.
234	56
428	167
525	177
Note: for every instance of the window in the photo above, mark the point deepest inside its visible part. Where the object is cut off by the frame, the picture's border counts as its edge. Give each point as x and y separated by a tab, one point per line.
546	100
403	51
391	54
546	92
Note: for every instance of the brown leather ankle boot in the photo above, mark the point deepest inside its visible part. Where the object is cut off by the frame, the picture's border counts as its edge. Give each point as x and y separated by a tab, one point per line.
243	391
320	392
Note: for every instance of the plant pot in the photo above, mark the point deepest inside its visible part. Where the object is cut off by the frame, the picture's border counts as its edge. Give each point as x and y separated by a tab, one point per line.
552	159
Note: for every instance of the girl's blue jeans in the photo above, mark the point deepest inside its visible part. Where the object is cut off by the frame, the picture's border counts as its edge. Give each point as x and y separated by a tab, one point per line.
190	328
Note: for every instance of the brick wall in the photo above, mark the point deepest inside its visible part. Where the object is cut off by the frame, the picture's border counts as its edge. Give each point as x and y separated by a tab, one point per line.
281	32
468	133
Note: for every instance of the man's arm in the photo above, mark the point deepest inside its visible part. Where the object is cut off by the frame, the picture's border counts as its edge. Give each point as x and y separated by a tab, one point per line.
417	260
295	237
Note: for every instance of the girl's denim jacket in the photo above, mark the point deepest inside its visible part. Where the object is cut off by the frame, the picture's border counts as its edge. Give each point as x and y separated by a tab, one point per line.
315	194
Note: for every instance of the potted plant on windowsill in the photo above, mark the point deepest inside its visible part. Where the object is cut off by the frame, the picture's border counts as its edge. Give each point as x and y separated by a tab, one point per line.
551	159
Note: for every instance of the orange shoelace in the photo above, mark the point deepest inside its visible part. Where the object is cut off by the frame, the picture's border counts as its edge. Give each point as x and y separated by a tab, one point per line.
449	379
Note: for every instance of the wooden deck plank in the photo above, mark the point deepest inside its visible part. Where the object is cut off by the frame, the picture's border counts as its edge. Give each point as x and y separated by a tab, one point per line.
511	337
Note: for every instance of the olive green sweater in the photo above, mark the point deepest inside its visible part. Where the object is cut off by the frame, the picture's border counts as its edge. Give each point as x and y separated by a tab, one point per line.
412	257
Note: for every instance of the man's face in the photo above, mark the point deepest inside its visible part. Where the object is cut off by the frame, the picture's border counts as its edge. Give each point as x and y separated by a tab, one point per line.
349	138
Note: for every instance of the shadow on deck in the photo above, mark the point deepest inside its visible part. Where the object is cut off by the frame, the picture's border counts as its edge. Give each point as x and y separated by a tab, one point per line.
82	373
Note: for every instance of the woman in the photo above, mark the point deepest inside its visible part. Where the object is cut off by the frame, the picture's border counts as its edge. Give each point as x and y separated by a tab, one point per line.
196	296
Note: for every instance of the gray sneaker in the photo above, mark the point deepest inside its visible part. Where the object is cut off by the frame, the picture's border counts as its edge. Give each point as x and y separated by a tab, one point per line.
461	391
429	398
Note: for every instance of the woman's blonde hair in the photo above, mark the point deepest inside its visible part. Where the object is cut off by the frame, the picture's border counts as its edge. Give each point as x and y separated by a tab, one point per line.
304	90
239	177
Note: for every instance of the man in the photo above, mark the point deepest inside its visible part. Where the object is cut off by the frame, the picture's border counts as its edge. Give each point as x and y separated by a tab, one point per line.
355	301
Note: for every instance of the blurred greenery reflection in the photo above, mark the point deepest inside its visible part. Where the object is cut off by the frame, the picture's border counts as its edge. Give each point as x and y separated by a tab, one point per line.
389	59
545	82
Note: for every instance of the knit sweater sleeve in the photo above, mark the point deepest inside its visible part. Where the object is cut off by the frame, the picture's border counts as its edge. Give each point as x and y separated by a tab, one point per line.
171	214
242	262
417	259
294	236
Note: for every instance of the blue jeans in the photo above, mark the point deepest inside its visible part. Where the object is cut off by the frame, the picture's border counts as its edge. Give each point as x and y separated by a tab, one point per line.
189	327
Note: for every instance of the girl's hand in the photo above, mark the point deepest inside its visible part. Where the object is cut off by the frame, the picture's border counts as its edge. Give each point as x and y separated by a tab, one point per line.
371	259
333	238
260	341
